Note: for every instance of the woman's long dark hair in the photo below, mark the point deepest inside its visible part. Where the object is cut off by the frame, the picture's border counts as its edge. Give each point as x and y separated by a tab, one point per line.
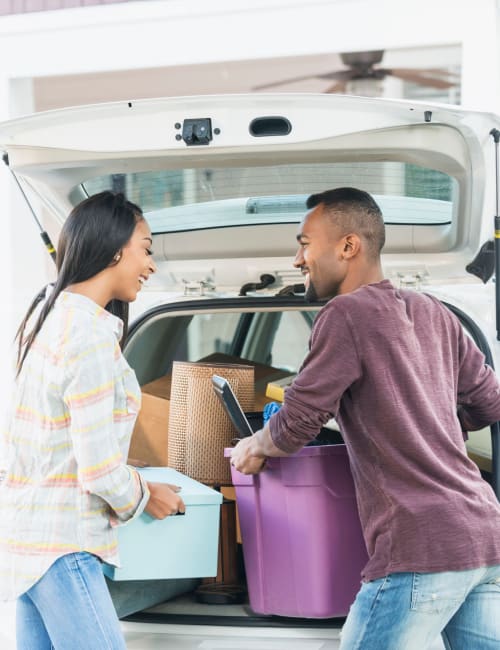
95	231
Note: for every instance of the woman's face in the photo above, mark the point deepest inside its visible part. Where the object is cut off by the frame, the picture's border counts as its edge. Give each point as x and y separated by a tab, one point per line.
135	264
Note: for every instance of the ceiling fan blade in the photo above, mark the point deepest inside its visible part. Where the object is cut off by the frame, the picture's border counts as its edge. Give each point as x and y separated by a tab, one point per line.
336	75
423	80
439	72
338	87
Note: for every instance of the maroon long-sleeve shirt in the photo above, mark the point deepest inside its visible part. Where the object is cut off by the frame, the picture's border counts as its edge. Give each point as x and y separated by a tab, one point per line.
394	367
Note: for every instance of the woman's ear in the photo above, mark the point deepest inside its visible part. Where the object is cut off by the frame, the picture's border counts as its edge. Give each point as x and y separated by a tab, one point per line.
116	258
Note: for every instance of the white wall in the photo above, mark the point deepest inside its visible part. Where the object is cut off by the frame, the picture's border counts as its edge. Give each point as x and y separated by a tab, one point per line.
138	35
135	35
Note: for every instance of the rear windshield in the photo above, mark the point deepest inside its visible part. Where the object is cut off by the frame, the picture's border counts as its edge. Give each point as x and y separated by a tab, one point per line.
194	199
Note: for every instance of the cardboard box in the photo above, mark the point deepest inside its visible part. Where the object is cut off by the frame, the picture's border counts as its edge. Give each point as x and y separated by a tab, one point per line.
180	546
150	436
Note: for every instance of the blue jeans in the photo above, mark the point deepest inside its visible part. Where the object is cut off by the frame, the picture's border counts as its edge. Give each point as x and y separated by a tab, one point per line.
69	607
408	611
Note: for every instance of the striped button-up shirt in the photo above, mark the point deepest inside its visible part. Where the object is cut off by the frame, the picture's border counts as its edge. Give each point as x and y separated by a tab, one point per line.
66	484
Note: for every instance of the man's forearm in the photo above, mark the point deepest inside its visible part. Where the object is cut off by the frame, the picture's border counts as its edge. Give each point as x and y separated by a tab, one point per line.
264	444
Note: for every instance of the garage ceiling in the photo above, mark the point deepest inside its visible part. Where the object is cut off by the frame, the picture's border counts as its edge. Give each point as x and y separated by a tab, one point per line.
214	78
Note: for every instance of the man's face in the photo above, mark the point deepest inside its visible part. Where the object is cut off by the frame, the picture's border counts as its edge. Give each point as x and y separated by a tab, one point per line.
319	256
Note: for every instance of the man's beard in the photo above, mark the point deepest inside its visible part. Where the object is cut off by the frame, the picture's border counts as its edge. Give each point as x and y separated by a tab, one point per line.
311	295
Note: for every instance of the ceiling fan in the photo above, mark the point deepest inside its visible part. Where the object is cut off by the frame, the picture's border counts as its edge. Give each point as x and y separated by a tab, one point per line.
363	66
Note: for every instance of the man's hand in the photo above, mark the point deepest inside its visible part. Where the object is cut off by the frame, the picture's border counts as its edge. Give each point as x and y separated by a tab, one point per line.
247	457
164	501
250	454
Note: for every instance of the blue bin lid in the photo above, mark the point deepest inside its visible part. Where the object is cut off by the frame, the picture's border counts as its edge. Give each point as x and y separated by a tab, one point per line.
192	492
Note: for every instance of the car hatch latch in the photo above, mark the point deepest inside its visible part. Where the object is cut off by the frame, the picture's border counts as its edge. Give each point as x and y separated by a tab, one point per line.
195	131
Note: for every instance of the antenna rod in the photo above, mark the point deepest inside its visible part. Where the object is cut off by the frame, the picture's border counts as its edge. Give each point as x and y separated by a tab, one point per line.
495	133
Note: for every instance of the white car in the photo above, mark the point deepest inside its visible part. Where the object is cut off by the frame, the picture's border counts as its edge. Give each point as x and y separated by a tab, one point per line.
223	181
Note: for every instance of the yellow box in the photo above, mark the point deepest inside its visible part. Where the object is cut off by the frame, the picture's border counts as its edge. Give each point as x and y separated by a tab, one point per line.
276	389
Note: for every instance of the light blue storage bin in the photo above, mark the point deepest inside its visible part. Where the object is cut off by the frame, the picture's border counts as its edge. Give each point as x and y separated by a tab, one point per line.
180	546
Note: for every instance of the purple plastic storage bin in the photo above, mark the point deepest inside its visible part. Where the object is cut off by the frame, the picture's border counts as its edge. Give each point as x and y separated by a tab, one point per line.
302	542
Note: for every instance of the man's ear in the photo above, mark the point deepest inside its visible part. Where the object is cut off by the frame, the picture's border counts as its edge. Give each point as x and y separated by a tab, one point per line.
351	246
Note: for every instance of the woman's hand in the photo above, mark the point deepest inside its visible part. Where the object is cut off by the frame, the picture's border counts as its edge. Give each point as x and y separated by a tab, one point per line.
164	500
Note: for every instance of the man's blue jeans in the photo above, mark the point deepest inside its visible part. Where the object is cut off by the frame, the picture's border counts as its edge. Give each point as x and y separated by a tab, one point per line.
69	607
408	611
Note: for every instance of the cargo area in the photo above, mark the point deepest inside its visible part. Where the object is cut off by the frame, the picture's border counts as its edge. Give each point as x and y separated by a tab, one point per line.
270	336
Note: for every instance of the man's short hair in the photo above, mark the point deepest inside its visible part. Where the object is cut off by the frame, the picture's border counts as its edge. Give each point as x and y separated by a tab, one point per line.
353	211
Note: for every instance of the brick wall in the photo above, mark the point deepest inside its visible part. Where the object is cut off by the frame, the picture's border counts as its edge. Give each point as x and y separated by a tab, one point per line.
25	6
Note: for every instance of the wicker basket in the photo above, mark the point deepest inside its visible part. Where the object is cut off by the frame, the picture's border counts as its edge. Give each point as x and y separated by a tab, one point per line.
198	428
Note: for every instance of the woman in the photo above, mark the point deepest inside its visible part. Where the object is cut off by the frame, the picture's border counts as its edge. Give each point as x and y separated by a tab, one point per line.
74	405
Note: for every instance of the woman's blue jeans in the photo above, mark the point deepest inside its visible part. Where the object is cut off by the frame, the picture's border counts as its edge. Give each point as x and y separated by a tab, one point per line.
69	608
408	611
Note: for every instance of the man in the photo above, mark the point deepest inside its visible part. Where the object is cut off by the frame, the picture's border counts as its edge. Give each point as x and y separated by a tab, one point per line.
404	382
